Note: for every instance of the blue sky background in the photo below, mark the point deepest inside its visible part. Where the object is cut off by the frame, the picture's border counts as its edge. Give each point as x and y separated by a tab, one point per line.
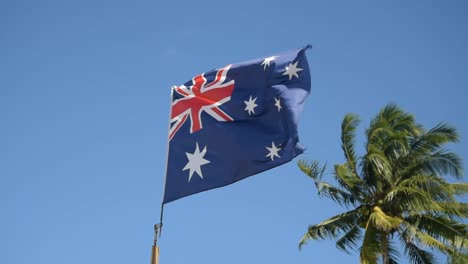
84	105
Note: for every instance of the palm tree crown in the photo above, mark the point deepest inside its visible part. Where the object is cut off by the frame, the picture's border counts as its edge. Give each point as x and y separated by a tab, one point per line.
396	190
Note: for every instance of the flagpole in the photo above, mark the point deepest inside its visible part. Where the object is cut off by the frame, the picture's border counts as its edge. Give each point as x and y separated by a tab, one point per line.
158	227
155	248
157	234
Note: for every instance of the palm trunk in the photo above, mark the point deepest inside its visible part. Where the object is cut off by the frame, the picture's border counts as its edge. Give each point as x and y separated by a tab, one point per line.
384	248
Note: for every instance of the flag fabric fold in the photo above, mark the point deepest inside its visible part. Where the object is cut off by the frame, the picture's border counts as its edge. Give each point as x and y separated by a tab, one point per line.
234	122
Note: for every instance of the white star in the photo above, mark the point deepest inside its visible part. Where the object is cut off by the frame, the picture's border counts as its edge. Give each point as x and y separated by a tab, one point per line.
266	61
273	151
250	105
278	104
195	161
292	70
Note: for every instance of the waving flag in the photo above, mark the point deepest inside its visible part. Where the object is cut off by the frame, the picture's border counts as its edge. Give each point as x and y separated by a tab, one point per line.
231	123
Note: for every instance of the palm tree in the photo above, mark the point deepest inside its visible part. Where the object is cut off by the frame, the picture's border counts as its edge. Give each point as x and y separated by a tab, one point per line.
395	190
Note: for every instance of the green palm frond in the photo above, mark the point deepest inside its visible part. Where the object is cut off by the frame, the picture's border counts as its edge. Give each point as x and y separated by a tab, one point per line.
390	254
438	187
453	210
399	120
460	188
348	130
332	227
426	239
416	254
396	146
443	162
380	168
383	221
461	255
368	175
410	199
348	180
393	118
440	162
433	139
349	240
458	258
378	137
440	227
339	196
313	169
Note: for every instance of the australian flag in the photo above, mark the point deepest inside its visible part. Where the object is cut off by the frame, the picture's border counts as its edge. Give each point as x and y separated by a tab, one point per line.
236	121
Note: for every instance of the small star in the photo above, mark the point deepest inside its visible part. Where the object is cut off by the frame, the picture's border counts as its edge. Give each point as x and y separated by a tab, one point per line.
278	104
250	105
273	151
195	161
292	70
266	61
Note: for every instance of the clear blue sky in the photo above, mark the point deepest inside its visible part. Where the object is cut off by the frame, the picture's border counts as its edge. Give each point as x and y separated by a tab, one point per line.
84	105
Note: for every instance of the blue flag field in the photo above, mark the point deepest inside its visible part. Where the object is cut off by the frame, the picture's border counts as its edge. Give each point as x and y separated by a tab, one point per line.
234	122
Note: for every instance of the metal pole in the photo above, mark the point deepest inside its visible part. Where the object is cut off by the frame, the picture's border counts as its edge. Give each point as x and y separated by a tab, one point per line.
155	248
158	227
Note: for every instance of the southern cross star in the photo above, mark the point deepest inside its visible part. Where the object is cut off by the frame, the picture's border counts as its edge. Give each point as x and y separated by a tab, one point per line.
278	104
273	151
292	70
250	105
266	61
195	161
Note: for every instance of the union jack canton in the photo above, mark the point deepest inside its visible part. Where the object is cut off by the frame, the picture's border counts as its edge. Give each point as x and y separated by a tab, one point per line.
234	122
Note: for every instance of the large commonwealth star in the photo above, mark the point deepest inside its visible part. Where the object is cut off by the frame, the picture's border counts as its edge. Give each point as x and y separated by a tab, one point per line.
195	161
